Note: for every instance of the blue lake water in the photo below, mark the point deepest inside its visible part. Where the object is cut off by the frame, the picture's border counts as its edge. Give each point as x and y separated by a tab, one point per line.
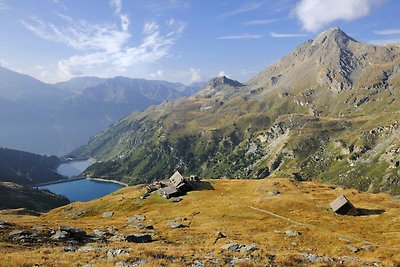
73	168
83	190
80	190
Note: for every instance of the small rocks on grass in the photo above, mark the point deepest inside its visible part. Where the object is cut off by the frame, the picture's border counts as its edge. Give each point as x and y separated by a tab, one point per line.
60	235
116	252
37	228
112	230
197	263
344	239
235	247
181	219
137	218
135	263
89	249
108	214
98	232
176	199
76	232
117	238
273	193
69	249
352	249
19	233
314	258
276	184
144	227
292	233
174	224
4	224
139	238
367	248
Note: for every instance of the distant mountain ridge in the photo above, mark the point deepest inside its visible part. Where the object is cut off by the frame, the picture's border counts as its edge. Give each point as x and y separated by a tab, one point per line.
27	168
328	110
55	119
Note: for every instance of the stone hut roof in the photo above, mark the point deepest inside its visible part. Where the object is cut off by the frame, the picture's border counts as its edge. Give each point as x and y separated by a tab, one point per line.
343	206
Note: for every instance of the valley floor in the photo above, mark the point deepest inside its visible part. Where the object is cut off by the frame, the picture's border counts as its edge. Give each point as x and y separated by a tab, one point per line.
289	223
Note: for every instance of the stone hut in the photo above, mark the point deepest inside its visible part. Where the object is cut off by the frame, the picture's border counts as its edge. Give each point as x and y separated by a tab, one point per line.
343	206
169	191
176	186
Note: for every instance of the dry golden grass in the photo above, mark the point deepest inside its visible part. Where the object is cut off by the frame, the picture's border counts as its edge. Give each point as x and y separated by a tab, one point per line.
242	210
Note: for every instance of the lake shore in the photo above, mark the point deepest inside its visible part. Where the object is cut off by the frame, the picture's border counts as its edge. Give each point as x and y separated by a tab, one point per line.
106	180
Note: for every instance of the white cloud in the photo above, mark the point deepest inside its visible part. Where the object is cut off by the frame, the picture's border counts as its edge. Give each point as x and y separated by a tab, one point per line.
287	35
245	36
81	35
3	63
222	74
150	27
388	32
195	75
106	45
3	5
315	14
157	75
259	22
117	5
125	22
243	9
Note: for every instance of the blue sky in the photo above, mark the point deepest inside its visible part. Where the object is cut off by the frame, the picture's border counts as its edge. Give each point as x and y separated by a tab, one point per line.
176	40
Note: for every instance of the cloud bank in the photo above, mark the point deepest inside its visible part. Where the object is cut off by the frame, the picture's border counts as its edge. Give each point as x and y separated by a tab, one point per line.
315	14
106	44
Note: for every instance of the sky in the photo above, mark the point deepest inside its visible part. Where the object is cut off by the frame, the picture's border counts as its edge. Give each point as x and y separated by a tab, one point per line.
176	40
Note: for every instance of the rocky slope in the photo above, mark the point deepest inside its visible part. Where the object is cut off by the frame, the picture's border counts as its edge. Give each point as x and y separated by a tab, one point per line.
269	222
329	110
14	196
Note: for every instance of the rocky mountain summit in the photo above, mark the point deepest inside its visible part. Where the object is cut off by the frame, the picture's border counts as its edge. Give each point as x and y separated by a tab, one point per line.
329	110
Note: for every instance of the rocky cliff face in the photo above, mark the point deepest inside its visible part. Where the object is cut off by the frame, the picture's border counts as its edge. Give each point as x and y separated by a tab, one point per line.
328	110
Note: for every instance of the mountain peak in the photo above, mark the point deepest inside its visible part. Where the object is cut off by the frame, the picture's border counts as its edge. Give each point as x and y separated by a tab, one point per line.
335	35
223	81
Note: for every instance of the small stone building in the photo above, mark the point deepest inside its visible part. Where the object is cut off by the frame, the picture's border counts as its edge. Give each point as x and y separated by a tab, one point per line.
177	186
169	191
343	206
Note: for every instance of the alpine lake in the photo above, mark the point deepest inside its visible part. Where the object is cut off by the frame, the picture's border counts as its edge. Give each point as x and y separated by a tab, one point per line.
80	189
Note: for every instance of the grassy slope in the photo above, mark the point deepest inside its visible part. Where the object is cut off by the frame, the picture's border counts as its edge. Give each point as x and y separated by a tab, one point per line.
14	196
226	209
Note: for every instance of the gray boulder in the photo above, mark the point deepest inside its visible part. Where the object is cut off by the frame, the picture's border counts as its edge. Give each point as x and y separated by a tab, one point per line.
292	233
69	249
139	238
60	235
235	247
108	214
174	224
116	252
137	218
90	249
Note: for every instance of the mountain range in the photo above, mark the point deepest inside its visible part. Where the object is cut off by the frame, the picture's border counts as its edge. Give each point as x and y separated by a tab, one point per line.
329	110
55	119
